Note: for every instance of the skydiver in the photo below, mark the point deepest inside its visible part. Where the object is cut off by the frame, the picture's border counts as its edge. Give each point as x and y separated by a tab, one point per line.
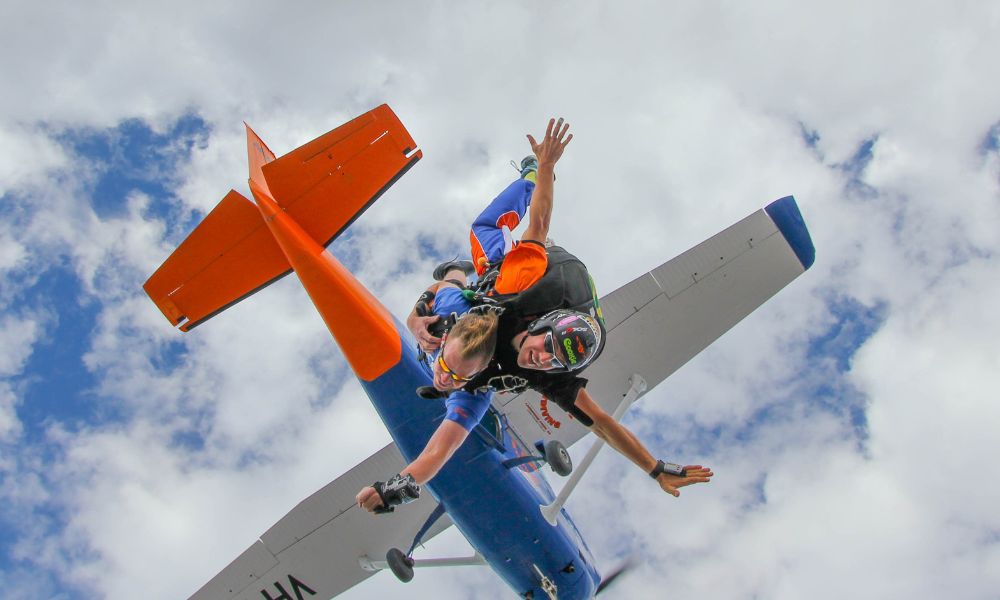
483	351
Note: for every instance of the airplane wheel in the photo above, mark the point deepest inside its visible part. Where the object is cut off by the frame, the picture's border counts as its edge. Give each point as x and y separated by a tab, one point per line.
558	458
400	564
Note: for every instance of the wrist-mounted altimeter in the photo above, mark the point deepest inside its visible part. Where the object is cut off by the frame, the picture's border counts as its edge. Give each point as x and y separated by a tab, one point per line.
668	468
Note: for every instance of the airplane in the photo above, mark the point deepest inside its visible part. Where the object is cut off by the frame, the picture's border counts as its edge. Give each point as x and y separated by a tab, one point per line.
493	489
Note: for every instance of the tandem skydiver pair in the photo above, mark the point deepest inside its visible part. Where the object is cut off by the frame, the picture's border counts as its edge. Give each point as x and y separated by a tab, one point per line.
531	320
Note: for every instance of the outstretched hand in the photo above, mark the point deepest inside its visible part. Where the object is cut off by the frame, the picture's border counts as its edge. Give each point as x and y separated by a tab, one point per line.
695	474
368	499
550	150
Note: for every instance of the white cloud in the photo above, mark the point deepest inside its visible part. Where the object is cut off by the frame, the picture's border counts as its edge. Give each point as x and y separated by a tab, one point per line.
11	253
18	334
28	155
10	425
686	119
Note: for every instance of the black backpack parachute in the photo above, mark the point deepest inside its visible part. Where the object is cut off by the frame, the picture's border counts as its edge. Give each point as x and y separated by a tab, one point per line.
566	284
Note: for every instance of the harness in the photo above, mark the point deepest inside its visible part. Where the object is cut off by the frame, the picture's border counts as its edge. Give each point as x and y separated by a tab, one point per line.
565	284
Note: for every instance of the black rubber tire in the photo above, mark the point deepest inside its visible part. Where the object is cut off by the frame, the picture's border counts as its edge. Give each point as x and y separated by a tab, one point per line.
400	564
558	458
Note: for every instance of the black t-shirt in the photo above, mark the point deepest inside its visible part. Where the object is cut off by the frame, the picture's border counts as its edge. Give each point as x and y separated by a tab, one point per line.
561	388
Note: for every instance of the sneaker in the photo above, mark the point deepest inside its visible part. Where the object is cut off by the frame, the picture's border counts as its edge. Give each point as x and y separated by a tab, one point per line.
528	168
429	392
442	269
529	164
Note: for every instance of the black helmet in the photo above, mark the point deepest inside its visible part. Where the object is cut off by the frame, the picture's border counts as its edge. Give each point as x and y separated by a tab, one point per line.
579	335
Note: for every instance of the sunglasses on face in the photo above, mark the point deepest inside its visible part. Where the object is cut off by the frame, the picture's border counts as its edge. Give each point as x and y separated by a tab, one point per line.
449	372
444	367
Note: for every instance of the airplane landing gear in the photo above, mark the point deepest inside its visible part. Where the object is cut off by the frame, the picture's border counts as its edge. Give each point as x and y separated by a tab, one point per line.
558	458
400	564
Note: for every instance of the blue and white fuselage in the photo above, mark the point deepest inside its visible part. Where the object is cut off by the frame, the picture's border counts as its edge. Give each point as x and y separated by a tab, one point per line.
496	507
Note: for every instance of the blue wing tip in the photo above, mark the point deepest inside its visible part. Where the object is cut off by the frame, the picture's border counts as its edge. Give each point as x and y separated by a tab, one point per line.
785	214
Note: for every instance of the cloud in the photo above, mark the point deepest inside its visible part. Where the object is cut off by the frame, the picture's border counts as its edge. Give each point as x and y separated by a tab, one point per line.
36	155
10	425
687	119
19	332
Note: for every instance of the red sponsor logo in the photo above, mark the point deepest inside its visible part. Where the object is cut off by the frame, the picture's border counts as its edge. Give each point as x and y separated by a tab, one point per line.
545	413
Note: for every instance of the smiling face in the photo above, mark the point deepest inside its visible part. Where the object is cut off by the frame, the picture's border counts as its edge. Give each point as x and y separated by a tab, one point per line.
537	352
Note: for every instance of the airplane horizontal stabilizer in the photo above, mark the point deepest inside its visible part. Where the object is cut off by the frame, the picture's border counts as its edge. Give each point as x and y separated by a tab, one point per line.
328	183
323	186
229	256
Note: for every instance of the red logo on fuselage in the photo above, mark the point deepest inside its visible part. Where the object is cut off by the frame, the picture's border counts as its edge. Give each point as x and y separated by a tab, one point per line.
544	404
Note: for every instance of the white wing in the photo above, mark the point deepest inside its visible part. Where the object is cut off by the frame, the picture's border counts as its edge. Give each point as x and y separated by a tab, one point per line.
664	318
316	546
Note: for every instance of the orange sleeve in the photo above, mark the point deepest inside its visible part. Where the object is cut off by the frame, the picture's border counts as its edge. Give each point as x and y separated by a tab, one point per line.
522	267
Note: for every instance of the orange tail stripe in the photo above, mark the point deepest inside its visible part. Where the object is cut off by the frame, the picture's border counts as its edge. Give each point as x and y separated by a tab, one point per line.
362	327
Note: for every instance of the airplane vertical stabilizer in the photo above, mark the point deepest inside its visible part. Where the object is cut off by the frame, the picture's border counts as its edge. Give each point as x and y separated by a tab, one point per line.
258	155
363	328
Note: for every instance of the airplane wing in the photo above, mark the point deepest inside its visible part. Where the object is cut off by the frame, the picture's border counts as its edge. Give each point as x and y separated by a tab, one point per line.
665	317
315	547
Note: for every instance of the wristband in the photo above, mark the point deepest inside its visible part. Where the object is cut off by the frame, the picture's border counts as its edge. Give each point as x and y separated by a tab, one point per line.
668	468
398	490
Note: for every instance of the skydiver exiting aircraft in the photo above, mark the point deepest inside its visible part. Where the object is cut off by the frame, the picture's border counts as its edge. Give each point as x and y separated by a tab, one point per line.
521	347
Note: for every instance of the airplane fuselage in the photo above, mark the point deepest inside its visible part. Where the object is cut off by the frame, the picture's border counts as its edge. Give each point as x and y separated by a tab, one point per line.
495	507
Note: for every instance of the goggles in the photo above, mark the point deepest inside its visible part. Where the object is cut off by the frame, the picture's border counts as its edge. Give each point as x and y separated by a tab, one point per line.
550	347
444	367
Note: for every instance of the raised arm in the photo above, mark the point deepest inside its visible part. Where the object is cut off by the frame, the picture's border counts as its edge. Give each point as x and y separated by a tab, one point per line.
548	153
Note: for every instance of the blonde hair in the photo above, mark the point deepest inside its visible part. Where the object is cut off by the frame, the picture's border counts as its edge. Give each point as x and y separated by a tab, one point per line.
477	334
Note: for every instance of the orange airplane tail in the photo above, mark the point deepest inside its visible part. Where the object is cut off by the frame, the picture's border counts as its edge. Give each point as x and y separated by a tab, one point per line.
323	186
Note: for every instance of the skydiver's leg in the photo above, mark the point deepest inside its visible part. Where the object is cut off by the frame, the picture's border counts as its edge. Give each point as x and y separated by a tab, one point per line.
491	237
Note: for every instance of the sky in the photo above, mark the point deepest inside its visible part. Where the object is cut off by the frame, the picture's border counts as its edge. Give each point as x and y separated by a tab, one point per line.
851	422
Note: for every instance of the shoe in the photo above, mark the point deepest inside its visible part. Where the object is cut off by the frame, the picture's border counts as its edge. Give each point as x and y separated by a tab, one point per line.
442	269
429	392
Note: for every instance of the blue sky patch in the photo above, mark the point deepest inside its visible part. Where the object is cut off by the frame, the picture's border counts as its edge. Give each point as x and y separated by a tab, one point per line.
133	157
991	141
55	381
855	168
829	356
55	386
809	135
